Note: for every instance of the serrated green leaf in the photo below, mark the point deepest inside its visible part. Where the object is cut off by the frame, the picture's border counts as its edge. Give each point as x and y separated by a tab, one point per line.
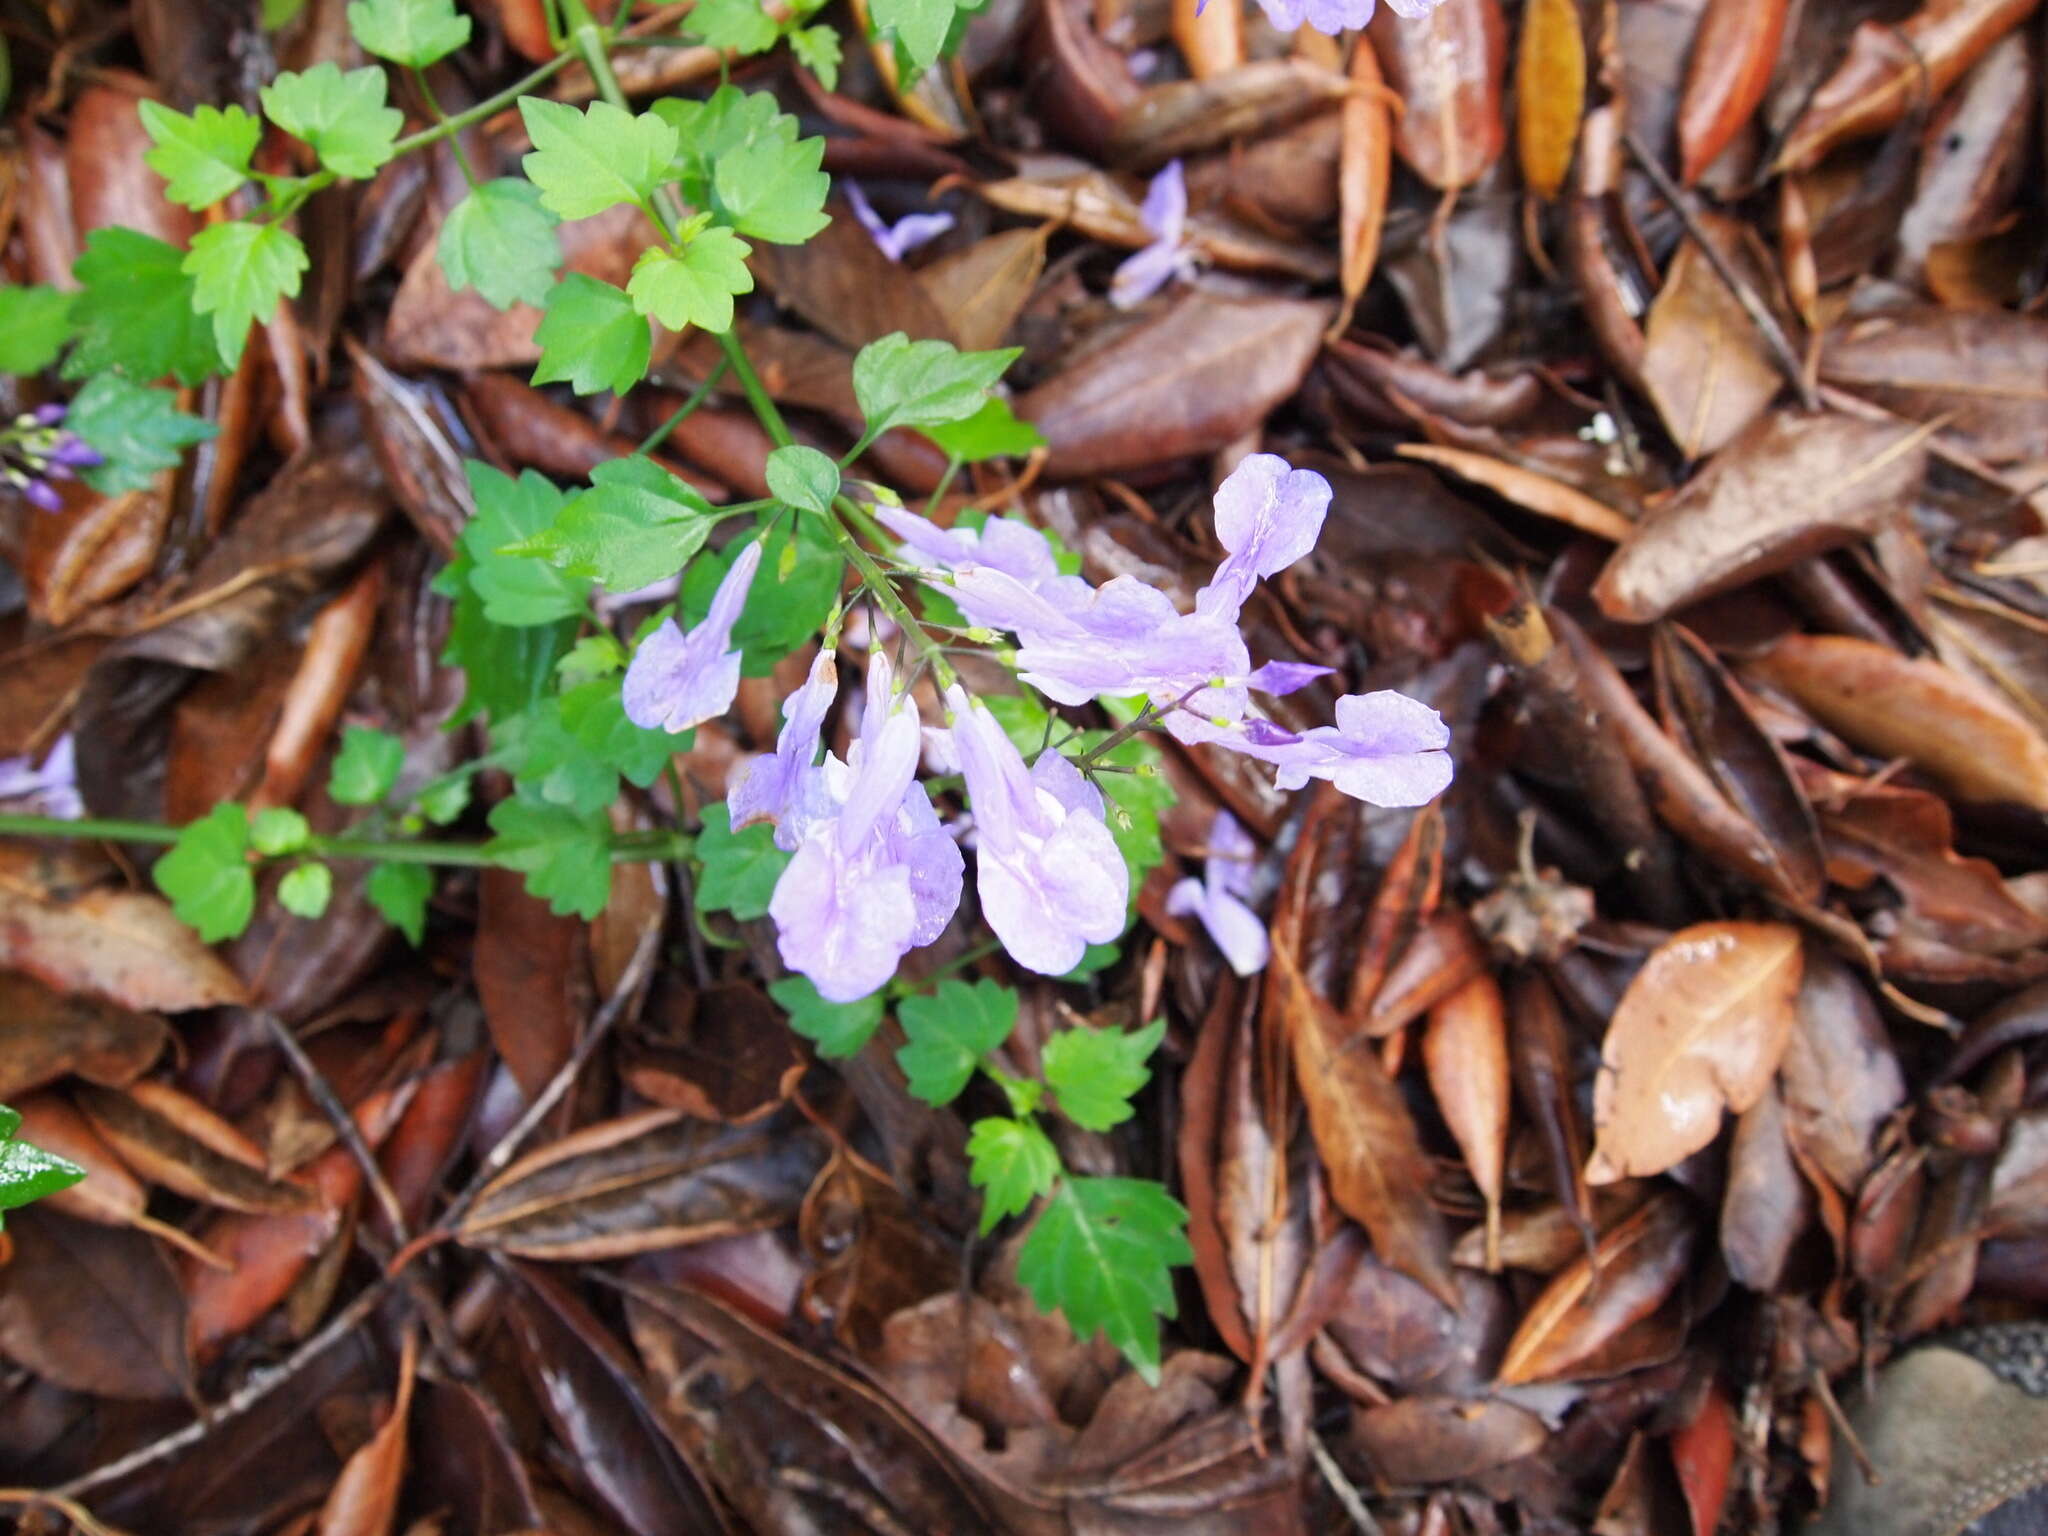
1012	1163
35	322
240	273
518	589
585	162
591	337
695	287
277	829
445	798
920	27
773	189
950	1031
204	157
134	311
741	25
137	431
507	668
345	117
993	432
636	525
566	858
1094	1072
415	33
400	892
500	241
905	383
366	767
1102	1253
573	749
206	874
306	889
595	717
803	477
838	1030
725	123
738	869
817	49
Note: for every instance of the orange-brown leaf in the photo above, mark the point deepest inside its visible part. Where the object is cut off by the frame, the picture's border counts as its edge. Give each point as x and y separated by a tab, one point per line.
1550	92
1732	58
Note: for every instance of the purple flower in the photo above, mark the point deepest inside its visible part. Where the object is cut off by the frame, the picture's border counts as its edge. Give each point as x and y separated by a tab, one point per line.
1385	748
1218	897
41	494
897	240
1334	16
1048	872
1165	213
875	874
679	680
50	787
1268	515
1280	678
773	787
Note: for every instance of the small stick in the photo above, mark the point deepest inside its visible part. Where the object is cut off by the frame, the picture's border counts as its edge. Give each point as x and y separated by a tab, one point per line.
1342	1486
315	1083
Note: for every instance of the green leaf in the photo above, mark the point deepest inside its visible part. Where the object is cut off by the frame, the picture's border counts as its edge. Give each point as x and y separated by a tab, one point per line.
696	287
817	49
728	122
135	311
277	829
26	1172
575	747
919	26
34	325
445	798
566	858
400	893
803	477
203	157
950	1031
838	1030
306	889
585	162
1102	1252
500	241
741	25
993	432
1094	1072
343	116
592	337
637	524
206	874
595	717
240	273
1012	1162
366	767
739	869
773	189
280	13
138	431
507	668
801	573
415	33
518	589
905	383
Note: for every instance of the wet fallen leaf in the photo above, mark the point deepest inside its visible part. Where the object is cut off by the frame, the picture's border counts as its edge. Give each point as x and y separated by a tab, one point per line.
93	1309
1705	364
121	945
364	1500
1447	68
1550	92
1979	373
1733	56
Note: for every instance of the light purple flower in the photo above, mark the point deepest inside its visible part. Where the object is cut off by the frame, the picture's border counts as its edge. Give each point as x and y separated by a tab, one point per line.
1280	678
1165	213
772	787
1385	748
679	680
1268	515
50	788
875	875
1218	897
1048	872
1334	16
897	240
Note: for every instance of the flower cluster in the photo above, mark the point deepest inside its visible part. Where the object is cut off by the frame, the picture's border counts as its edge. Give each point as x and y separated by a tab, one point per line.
1333	16
876	873
36	450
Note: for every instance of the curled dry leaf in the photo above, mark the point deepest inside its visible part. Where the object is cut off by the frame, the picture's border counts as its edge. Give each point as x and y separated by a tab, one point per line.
1365	167
1187	116
1465	1051
1700	1029
1527	489
1733	56
177	1142
121	945
109	1194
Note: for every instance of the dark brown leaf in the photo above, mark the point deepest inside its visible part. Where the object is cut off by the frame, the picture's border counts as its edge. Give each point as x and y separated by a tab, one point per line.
1624	1281
92	1308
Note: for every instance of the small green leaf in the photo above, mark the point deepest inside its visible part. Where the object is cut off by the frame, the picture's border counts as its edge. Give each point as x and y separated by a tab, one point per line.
696	287
1102	1252
519	589
206	874
343	116
415	33
637	524
741	25
920	27
772	188
507	668
950	1031
803	477
838	1030
400	893
34	325
817	49
278	829
566	858
135	311
728	122
139	432
993	432
445	798
240	274
575	747
366	767
585	162
203	157
500	241
905	383
801	573
306	889
1012	1162
27	1172
1094	1072
592	337
739	869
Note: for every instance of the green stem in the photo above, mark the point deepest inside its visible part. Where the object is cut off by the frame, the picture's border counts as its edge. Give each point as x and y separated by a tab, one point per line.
696	398
103	829
756	392
877	581
931	502
488	107
434	106
627	848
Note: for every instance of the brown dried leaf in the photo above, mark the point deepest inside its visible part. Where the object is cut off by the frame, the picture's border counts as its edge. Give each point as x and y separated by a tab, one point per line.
981	289
177	1142
364	1499
93	1309
45	1036
1527	489
1766	1204
1733	56
1465	1051
532	976
1973	154
121	945
1839	1075
1183	117
1443	1439
1981	372
1550	92
1447	69
1700	1029
1704	362
1365	171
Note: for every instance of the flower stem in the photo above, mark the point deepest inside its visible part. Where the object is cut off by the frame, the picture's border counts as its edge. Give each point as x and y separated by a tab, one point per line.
696	398
626	848
488	107
876	580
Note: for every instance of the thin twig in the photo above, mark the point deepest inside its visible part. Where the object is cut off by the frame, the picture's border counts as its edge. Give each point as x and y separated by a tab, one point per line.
1346	1491
315	1083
